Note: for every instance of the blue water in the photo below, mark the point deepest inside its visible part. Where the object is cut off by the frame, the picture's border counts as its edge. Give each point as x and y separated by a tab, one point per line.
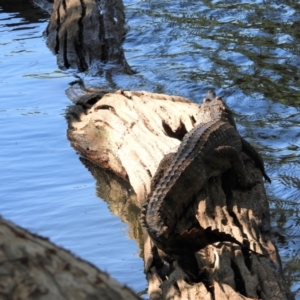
247	50
44	186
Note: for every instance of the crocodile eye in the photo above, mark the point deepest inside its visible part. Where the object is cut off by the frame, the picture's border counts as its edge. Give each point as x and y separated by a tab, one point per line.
205	100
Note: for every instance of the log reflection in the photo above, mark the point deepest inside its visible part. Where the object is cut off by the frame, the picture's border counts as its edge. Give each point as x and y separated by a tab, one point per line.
119	196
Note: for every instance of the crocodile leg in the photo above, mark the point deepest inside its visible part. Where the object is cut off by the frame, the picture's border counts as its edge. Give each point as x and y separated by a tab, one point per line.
229	155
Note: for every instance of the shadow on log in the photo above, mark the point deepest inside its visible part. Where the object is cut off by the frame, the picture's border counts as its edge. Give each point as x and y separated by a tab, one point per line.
128	133
34	268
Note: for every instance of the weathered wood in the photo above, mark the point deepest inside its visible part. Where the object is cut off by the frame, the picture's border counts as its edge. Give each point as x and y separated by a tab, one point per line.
34	268
88	35
128	133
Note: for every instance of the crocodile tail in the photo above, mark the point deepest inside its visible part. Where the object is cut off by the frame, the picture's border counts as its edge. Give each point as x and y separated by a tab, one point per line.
199	238
143	215
190	241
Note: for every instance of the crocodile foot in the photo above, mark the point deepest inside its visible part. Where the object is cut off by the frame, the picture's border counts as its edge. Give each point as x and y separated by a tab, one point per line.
250	183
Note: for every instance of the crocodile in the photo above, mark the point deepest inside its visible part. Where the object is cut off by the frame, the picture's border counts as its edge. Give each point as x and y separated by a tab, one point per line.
208	150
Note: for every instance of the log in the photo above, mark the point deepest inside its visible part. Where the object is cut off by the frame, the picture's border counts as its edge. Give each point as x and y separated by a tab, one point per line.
128	133
34	268
87	35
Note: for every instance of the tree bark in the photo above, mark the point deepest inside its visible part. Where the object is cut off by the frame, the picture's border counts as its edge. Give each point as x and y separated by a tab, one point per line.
128	133
34	268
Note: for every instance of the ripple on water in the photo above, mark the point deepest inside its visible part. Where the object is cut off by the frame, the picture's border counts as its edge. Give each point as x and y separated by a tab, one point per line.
44	186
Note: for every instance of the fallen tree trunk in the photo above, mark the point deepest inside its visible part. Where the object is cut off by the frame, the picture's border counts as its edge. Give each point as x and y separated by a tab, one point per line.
34	268
128	133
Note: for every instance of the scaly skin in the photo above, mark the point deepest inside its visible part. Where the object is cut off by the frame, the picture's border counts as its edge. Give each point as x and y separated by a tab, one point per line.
207	150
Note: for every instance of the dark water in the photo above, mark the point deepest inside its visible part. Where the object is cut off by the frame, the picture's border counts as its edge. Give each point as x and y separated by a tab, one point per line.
249	51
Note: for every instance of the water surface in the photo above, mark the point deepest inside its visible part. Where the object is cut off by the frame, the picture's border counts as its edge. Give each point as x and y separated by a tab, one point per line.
44	186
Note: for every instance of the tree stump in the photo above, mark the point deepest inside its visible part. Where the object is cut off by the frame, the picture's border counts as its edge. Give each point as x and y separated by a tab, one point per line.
128	133
88	35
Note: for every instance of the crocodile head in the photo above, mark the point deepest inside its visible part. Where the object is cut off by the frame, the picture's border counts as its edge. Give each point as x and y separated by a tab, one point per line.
217	108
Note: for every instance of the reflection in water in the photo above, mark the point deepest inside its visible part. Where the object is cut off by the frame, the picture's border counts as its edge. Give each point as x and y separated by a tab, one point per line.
120	198
250	46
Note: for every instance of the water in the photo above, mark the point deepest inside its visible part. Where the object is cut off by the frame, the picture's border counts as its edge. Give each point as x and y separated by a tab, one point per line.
247	50
44	186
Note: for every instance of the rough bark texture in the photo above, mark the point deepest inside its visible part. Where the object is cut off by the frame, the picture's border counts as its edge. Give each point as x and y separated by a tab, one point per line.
88	35
128	133
34	268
